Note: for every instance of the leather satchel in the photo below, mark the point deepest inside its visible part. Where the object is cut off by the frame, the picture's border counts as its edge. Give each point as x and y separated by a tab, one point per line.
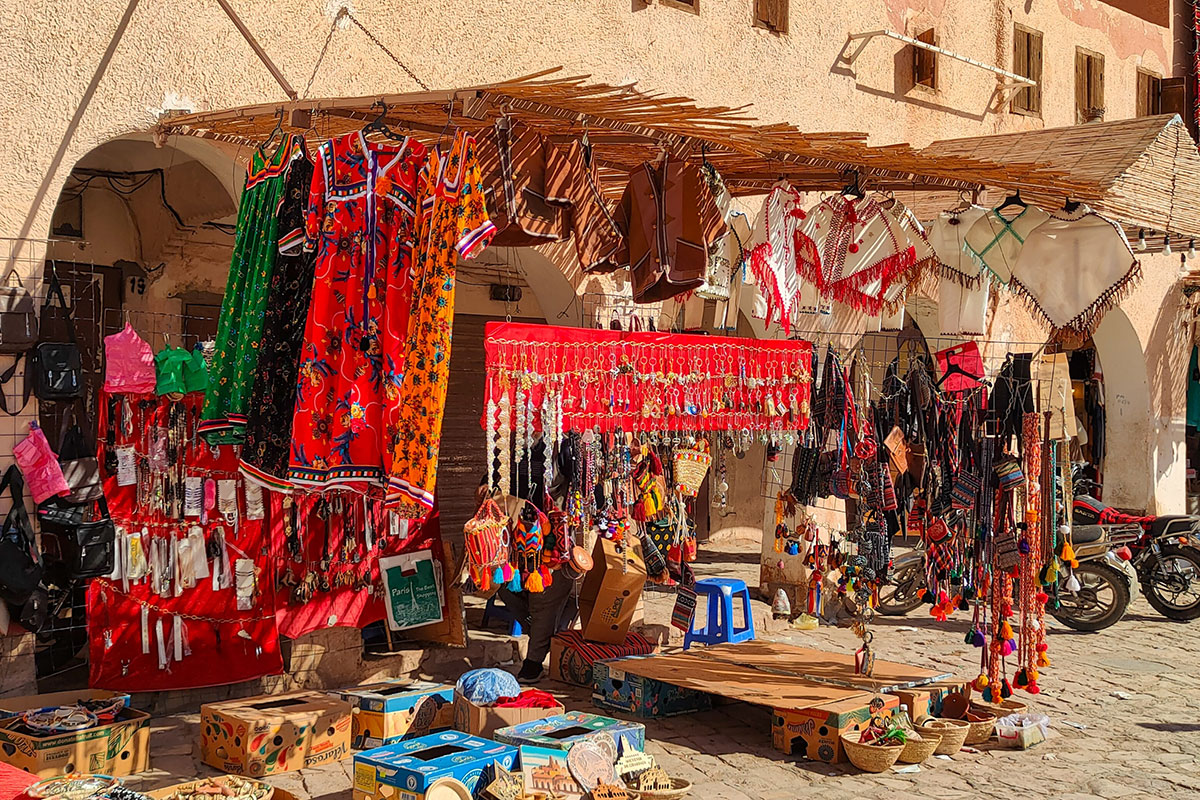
55	365
18	317
20	561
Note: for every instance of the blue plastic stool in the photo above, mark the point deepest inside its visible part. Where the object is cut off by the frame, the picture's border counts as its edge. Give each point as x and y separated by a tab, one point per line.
497	610
719	628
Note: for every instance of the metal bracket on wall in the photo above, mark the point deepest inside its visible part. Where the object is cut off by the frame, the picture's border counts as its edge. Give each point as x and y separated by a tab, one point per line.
1010	80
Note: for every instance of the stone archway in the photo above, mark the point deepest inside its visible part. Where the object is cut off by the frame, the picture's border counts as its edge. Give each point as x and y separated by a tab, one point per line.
1129	479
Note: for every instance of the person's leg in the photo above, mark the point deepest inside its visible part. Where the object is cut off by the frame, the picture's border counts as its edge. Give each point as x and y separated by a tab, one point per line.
517	604
545	608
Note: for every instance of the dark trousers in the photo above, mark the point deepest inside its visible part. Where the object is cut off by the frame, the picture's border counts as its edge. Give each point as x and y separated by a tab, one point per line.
543	614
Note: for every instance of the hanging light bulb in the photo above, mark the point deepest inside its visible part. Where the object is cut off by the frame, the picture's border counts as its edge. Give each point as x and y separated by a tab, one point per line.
1167	245
1191	253
1141	245
1183	267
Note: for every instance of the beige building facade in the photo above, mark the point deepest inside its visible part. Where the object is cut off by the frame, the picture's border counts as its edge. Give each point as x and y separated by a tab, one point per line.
83	83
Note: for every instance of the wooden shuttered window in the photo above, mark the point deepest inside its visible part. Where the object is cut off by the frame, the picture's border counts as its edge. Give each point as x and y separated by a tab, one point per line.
1027	62
1149	93
925	61
1089	85
771	14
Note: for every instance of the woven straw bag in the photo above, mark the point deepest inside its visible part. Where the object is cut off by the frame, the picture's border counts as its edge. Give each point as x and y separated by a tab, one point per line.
486	536
691	465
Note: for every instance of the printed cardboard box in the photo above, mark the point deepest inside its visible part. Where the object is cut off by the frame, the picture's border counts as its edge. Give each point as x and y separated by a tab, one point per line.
120	748
265	735
383	711
559	733
483	721
404	770
572	656
816	732
646	698
926	701
15	705
610	592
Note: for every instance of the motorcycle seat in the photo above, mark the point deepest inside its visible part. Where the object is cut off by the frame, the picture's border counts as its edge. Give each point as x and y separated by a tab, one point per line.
1085	534
1158	526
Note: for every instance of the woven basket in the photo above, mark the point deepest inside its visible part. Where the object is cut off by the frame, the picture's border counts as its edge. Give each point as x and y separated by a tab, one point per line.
917	750
1001	709
691	465
982	723
486	536
953	732
679	787
870	757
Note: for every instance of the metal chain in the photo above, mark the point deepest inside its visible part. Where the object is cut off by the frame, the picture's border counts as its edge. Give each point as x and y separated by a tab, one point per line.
382	47
343	11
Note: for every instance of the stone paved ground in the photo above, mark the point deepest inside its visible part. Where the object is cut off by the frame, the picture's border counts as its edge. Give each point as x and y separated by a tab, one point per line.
1124	705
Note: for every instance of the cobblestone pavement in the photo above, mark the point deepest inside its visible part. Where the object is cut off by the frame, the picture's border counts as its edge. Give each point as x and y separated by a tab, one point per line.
1124	707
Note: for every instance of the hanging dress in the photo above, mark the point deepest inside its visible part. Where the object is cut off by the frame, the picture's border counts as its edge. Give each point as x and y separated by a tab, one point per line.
453	224
963	287
361	222
239	331
264	457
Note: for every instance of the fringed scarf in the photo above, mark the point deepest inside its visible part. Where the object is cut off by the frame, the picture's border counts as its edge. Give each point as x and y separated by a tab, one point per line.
1075	267
996	241
780	255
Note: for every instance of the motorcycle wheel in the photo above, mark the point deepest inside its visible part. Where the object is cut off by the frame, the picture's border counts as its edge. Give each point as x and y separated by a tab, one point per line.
1172	583
1100	602
902	593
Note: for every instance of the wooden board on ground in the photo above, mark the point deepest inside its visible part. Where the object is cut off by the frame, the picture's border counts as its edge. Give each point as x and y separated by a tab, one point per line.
819	666
737	682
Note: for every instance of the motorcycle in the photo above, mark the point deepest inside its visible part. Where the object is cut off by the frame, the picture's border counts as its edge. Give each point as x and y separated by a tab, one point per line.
1162	551
1113	550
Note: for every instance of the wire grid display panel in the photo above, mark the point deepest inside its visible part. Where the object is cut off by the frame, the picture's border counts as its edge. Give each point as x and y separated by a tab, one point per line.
868	361
100	304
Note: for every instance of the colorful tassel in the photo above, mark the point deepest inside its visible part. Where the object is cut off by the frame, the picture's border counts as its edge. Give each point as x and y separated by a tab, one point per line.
534	583
1005	689
1006	631
962	604
1021	679
498	576
547	577
981	682
988	695
514	585
1033	688
977	638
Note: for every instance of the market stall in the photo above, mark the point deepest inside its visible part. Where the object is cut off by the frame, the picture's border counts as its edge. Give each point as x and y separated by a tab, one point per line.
285	478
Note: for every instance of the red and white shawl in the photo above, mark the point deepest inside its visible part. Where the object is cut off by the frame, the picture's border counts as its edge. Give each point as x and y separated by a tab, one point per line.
782	257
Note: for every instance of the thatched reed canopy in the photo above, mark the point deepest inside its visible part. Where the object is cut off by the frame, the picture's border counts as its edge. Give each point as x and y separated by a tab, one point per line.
1133	170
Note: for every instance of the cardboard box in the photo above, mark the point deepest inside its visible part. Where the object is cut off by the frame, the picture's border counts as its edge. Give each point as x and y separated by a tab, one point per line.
926	701
559	733
571	657
610	592
167	791
15	705
404	770
483	721
120	748
646	698
816	732
383	711
266	735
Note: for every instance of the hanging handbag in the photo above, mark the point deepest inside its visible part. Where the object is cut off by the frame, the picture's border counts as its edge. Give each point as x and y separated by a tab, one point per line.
18	317
965	490
55	365
79	465
1009	473
20	561
690	468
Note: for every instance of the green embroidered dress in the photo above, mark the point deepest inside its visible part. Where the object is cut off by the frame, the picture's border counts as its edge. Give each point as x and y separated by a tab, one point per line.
235	361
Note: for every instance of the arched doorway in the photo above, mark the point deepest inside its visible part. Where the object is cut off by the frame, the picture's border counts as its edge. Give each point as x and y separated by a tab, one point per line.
1129	481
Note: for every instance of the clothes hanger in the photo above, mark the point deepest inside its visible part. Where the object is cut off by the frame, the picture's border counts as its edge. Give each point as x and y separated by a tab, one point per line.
1070	205
276	131
450	118
1013	199
378	125
854	188
966	201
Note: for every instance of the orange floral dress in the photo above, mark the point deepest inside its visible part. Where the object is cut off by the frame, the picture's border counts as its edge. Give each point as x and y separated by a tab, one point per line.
452	223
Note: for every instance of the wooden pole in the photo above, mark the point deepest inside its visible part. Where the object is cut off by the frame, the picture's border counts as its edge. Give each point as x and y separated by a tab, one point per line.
257	48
